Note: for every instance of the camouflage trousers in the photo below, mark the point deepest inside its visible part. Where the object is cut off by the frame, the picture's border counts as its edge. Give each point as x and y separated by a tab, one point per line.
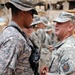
44	58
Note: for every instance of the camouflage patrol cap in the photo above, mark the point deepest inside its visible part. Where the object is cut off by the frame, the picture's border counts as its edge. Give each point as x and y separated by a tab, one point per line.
39	19
48	29
24	5
64	17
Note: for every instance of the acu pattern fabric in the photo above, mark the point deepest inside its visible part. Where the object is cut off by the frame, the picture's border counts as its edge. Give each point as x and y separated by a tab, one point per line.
45	52
14	53
43	41
63	58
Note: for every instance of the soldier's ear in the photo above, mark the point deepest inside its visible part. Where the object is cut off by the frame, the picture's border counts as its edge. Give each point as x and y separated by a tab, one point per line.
65	67
71	27
23	13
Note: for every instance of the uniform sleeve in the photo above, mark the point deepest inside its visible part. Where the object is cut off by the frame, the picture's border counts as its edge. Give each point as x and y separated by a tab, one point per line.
19	47
7	49
45	45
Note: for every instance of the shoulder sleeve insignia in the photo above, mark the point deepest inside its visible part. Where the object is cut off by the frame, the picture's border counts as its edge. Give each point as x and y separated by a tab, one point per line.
66	67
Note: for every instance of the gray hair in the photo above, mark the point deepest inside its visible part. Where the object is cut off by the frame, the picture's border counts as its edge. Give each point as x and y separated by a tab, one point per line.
73	22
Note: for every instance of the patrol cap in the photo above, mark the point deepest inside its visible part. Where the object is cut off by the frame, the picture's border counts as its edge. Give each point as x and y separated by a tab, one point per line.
24	5
48	29
38	20
64	17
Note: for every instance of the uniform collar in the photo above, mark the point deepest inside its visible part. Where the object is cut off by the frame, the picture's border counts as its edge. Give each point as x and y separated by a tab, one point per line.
61	43
15	24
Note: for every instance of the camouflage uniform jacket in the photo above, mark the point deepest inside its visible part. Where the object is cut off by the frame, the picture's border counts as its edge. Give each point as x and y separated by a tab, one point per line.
63	58
45	52
14	52
38	37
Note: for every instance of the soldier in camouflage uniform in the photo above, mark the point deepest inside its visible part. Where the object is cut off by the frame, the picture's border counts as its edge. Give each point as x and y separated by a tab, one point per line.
41	39
38	35
63	57
14	50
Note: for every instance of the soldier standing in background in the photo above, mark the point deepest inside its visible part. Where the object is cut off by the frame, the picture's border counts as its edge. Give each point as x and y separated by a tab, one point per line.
63	56
41	39
14	50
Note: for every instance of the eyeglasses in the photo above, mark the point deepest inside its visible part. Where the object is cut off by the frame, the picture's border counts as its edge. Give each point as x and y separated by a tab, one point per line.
33	26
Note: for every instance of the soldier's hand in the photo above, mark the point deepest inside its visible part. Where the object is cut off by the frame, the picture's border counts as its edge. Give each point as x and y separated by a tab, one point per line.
43	70
51	48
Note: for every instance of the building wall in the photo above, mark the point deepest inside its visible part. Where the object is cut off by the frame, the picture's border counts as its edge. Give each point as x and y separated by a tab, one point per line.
5	13
3	1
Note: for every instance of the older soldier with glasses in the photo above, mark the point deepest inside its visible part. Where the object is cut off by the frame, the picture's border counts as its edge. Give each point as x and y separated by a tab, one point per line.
63	57
14	50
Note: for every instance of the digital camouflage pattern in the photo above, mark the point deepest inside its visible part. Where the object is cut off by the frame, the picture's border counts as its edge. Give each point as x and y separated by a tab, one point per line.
63	58
43	41
14	53
45	52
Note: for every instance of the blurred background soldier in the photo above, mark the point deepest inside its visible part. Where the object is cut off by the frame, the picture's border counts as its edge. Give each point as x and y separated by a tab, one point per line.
38	34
